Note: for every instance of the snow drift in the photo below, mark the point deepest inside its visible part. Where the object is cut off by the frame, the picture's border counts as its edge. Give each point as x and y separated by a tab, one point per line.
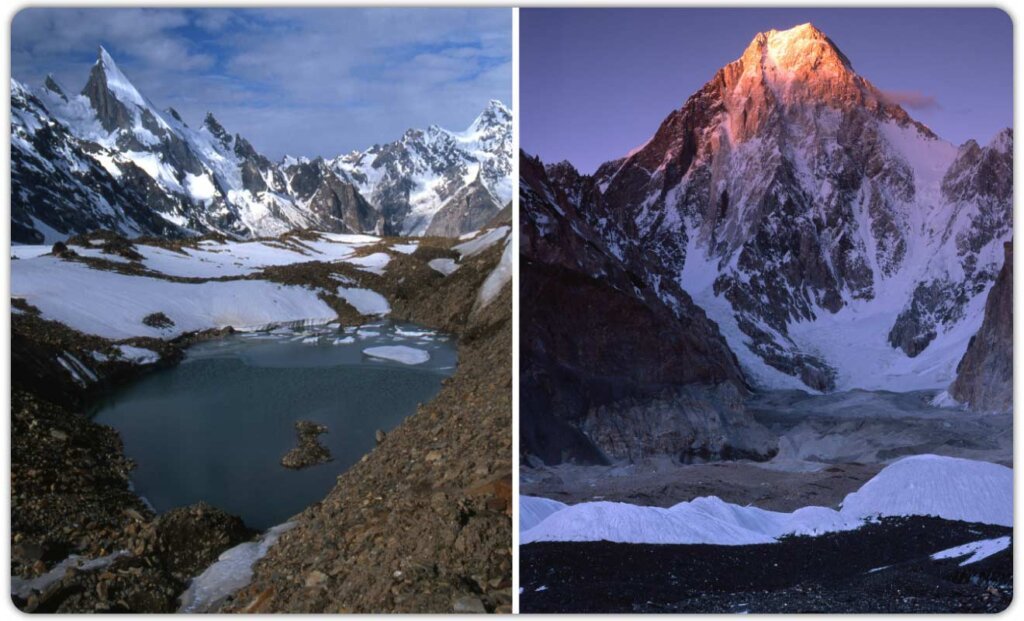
945	487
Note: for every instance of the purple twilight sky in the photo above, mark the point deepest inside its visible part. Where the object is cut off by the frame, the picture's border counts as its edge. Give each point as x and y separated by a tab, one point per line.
594	83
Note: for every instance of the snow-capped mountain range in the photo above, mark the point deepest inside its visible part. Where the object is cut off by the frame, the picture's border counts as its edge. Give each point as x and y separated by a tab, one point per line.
837	242
107	158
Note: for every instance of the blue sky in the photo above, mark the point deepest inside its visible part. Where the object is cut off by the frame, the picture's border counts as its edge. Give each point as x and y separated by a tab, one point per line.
596	83
296	81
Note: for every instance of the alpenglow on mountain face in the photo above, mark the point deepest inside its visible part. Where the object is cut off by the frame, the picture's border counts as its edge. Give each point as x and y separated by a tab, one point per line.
837	242
109	159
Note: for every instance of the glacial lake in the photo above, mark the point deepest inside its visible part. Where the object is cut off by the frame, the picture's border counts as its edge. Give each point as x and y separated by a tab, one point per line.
215	427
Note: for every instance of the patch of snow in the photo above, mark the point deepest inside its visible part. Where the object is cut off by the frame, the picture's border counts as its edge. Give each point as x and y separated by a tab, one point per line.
374	263
398	353
533	510
23	587
138	355
365	301
947	487
200	187
406	248
945	400
497	279
445	266
975	551
351	238
479	244
232	571
30	251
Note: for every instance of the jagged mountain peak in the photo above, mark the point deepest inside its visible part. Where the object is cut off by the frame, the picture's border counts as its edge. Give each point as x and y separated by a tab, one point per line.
105	72
51	84
494	114
797	48
791	72
176	116
212	125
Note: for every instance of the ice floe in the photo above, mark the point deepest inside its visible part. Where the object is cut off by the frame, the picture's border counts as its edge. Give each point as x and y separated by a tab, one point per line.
398	353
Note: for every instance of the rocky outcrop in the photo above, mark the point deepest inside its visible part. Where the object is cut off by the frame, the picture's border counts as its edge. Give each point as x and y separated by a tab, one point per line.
690	424
985	374
309	451
333	204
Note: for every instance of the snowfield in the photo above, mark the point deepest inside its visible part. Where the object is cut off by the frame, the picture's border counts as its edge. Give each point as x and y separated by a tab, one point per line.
945	487
113	305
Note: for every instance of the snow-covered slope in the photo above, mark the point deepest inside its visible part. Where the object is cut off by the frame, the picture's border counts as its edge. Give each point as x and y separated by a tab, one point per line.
412	178
837	242
109	159
925	485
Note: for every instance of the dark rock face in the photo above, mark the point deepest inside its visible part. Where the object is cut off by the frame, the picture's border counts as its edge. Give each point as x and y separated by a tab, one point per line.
470	209
595	333
335	205
693	423
985	374
111	112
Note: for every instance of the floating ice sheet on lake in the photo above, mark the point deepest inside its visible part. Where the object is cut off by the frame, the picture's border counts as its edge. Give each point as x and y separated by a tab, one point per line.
398	353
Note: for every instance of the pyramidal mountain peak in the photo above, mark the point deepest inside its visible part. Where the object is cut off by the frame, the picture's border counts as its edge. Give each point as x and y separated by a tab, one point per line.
790	199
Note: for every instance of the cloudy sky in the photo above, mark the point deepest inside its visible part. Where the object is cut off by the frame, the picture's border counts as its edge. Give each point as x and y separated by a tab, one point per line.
302	81
596	83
